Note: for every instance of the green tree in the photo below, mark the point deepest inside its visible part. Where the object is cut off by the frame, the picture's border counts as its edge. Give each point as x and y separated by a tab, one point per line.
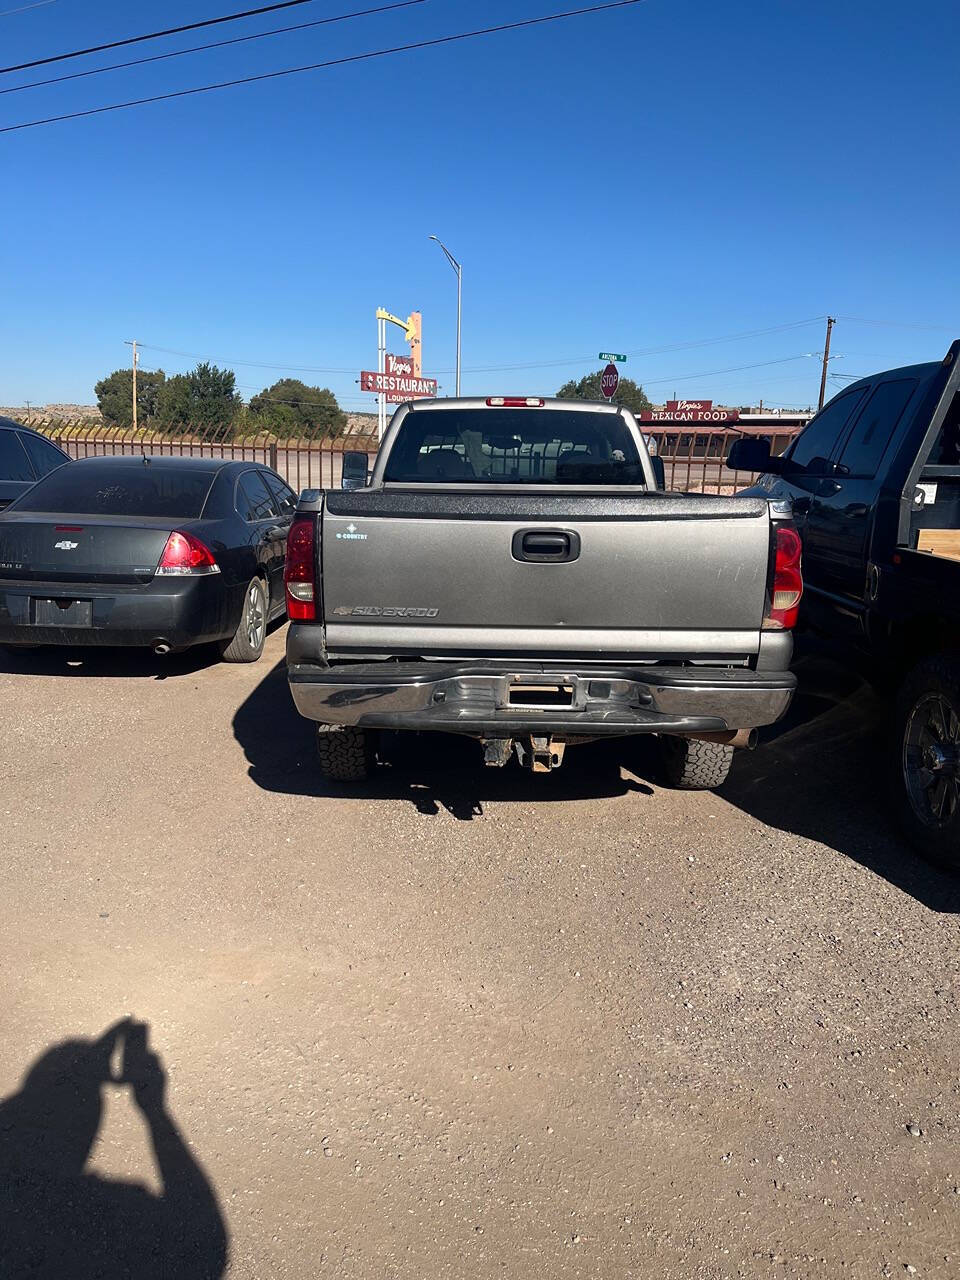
204	400
115	397
291	408
629	393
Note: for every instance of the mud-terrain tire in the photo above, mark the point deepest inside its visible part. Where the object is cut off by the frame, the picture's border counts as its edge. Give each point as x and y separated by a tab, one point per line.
344	752
925	759
689	765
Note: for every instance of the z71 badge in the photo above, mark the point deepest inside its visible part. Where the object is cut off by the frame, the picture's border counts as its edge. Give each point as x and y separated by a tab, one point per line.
386	611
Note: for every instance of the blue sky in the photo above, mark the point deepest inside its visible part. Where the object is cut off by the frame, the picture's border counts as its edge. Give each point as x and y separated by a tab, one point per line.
669	173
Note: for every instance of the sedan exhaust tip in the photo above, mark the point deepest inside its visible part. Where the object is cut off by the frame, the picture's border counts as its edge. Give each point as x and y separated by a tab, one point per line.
161	648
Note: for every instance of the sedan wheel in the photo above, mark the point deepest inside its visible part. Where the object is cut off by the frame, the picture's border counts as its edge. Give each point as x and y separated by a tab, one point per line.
255	615
248	639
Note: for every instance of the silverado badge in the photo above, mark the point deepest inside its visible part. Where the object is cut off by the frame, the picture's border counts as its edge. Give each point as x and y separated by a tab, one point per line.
385	611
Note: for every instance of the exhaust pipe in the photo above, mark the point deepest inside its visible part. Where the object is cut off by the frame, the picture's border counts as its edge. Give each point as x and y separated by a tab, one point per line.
161	648
745	739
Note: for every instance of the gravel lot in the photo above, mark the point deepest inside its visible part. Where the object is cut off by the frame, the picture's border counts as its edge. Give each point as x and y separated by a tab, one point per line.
463	1023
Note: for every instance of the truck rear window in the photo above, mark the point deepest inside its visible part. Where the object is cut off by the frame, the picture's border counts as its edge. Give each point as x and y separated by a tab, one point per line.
513	446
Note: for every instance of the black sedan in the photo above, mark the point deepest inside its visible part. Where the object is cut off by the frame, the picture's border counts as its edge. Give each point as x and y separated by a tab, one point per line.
157	552
25	456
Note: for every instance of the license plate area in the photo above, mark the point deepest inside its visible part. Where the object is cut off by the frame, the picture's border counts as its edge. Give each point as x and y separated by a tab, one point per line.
541	696
61	612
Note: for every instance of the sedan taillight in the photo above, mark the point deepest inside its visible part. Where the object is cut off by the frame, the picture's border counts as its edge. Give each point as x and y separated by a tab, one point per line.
186	554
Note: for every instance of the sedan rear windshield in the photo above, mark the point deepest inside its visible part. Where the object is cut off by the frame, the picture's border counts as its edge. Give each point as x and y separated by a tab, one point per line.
138	490
513	446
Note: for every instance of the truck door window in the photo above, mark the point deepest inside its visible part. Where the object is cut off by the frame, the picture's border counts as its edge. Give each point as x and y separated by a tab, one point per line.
946	449
874	428
816	443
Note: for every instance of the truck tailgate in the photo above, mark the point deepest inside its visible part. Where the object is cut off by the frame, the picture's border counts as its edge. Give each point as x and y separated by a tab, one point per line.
643	576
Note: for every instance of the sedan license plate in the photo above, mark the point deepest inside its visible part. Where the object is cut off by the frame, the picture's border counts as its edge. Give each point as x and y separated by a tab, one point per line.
62	613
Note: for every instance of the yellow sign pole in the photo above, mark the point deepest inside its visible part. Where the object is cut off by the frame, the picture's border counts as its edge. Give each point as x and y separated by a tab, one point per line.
413	333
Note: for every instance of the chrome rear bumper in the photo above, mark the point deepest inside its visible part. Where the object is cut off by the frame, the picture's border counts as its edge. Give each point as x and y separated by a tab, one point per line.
473	698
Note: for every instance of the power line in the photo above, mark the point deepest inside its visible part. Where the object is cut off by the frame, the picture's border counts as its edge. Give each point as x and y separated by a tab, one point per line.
254	364
261	394
645	351
712	373
319	66
153	35
37	4
747	333
505	368
213	44
899	324
496	369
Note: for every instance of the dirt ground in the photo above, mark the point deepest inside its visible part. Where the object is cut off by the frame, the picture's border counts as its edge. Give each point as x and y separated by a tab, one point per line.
459	1023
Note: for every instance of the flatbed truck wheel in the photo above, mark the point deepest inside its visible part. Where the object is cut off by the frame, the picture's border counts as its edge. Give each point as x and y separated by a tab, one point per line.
925	759
345	753
691	765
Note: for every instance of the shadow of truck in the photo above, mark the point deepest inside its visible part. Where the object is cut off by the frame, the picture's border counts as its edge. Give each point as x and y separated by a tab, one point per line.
822	773
435	771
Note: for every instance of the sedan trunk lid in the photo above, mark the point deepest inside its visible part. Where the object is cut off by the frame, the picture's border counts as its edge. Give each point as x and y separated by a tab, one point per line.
51	548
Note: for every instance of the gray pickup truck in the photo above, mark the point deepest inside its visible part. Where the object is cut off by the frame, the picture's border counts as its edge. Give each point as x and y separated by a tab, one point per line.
512	569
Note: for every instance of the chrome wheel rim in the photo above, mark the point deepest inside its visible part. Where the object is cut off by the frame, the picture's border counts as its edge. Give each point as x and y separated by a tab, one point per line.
931	760
254	616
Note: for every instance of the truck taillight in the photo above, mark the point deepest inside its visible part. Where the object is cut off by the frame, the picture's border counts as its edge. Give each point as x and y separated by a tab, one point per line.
299	574
787	581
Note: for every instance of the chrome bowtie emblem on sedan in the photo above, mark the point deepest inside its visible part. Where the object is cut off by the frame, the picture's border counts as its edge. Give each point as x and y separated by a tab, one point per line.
66	545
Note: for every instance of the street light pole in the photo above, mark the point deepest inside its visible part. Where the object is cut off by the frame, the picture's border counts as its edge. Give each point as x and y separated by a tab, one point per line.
458	268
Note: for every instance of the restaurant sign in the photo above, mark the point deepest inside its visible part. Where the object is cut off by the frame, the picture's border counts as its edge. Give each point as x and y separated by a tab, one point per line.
689	411
397	387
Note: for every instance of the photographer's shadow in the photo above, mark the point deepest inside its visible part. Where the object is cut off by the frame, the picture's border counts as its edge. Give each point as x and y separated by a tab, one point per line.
57	1220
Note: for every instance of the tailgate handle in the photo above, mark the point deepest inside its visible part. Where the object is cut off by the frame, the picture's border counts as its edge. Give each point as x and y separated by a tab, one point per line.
546	546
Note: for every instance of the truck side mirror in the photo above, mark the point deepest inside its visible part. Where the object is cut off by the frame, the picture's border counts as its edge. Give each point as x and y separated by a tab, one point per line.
659	473
356	468
752	453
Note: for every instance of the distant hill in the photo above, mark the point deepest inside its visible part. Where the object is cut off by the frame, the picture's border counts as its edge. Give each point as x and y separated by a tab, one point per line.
38	413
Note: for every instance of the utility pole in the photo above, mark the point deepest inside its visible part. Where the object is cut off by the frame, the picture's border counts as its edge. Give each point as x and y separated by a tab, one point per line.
826	356
134	345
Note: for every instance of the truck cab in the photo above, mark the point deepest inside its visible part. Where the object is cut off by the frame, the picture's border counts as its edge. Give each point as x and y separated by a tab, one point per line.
874	486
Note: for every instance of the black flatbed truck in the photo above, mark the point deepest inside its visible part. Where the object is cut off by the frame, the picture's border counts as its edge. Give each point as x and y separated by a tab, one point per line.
874	482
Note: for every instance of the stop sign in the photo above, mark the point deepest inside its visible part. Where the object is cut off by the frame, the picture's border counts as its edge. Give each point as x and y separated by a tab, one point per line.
609	381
